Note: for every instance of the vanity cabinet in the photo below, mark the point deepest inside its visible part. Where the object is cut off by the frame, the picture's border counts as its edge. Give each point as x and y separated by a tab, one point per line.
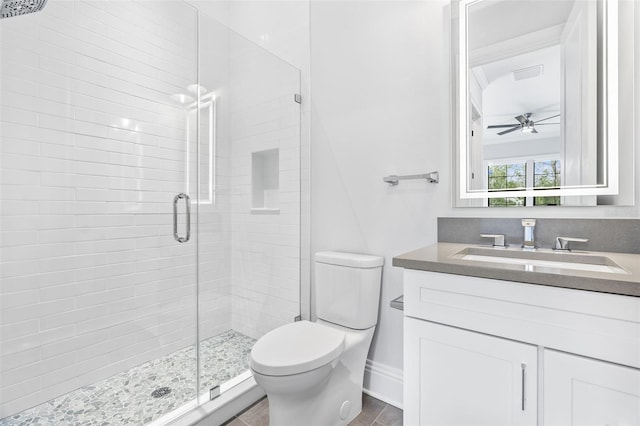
479	351
466	378
584	391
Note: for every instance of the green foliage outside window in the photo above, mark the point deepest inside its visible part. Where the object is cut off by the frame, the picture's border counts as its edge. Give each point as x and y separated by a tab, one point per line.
505	177
546	174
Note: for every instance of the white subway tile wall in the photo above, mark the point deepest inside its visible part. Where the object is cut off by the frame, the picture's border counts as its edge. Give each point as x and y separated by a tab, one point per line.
93	152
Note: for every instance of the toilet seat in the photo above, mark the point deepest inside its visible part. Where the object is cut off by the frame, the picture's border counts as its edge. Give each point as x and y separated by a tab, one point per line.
296	348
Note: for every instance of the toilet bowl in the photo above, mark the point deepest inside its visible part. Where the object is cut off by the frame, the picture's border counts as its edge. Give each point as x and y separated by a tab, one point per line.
312	372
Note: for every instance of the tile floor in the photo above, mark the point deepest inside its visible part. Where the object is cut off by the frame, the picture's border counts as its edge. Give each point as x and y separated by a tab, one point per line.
374	413
125	399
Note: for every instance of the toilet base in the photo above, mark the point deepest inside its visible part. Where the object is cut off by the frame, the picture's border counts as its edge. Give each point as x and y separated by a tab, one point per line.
328	396
337	404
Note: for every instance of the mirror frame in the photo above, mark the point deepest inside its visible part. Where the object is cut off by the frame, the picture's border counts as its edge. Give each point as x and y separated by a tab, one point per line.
607	98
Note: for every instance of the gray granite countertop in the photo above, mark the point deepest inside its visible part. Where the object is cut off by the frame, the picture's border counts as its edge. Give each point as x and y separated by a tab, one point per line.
446	258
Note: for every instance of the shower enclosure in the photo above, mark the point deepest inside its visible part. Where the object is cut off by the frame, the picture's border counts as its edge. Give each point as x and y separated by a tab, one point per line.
150	210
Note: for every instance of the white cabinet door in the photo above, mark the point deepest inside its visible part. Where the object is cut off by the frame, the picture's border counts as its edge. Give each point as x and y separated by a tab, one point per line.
583	392
459	377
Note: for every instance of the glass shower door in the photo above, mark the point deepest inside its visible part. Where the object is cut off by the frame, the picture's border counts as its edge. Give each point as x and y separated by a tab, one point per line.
98	299
249	229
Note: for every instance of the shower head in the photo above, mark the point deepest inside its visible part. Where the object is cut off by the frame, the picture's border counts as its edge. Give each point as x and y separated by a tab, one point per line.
12	8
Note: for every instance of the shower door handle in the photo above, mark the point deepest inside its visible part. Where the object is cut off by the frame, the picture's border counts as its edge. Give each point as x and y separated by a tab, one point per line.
187	202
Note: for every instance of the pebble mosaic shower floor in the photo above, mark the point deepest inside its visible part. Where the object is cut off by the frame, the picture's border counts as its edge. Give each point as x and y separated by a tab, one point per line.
125	399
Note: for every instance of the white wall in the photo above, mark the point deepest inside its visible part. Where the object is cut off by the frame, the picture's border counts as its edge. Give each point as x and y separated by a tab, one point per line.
381	105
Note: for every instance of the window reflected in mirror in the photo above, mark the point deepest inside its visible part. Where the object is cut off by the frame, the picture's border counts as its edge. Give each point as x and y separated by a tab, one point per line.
515	176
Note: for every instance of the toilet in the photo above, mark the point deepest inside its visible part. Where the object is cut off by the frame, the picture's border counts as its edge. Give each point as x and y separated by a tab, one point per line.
312	372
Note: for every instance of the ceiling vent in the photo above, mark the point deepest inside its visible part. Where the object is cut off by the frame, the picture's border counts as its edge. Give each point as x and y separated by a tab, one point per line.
529	72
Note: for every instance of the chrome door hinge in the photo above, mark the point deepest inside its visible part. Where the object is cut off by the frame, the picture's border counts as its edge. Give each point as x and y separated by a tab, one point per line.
297	98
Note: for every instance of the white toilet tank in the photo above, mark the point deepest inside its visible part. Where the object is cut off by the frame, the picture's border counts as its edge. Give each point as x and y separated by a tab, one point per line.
348	288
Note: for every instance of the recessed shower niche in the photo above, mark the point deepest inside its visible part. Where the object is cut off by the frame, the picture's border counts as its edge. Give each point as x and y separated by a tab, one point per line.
265	182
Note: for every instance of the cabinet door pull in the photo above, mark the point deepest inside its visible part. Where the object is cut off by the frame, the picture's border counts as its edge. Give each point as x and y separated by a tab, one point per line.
523	368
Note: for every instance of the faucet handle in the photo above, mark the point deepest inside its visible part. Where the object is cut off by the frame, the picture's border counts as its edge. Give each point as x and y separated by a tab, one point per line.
498	239
564	243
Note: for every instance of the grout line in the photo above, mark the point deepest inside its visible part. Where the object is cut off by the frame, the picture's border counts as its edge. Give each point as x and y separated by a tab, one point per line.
379	414
242	421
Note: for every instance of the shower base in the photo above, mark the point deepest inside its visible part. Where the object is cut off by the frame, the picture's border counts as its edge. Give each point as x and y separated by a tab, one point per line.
126	398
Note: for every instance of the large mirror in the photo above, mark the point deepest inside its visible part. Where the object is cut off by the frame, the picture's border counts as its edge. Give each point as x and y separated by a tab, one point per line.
536	102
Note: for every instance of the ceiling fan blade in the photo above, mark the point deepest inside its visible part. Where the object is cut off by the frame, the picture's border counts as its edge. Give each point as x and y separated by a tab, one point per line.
513	129
543	119
501	126
523	118
546	124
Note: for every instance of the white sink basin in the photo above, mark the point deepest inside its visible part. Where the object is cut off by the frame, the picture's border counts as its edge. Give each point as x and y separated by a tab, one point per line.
542	259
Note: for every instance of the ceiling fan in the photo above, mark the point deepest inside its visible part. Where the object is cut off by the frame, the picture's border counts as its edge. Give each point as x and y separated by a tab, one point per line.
525	124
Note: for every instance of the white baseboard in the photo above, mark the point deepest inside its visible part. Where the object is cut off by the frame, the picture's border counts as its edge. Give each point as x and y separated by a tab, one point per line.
383	382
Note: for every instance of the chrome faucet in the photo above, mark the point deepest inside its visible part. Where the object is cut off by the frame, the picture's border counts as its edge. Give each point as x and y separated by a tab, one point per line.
564	243
529	238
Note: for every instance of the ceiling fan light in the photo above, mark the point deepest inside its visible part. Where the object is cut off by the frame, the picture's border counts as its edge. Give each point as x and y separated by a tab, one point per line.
528	128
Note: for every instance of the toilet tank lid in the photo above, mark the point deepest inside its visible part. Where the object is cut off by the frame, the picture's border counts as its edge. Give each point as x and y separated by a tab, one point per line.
352	260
